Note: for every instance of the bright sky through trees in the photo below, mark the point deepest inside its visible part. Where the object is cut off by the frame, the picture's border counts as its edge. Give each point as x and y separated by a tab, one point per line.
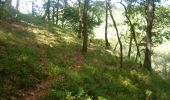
26	5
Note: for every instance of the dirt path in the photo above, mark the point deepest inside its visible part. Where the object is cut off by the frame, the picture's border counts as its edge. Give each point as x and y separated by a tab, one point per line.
41	89
79	61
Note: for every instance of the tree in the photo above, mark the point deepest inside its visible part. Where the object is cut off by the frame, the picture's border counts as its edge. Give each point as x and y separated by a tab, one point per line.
65	3
106	26
48	10
17	4
53	15
149	19
33	8
132	35
117	32
9	3
80	19
57	12
84	20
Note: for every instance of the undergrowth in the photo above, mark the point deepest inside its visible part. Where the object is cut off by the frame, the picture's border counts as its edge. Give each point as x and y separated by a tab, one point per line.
31	54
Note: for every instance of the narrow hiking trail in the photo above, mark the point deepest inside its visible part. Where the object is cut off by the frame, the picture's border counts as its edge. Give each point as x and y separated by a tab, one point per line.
40	39
41	89
23	35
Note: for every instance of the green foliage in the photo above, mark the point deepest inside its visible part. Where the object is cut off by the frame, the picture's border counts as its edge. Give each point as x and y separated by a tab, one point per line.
161	32
26	58
96	11
19	62
98	80
108	83
95	15
28	18
71	17
3	11
19	69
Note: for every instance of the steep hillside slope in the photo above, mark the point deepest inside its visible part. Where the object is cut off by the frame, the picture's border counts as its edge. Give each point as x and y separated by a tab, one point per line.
46	63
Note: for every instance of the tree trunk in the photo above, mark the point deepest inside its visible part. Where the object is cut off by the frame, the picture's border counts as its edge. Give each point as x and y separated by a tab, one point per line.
149	18
106	26
133	35
66	3
53	15
80	20
17	5
130	46
33	10
84	20
117	32
57	12
48	10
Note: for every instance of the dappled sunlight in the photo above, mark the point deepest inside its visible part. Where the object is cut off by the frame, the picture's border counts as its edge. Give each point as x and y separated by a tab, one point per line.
22	58
44	37
161	60
69	39
144	78
58	50
127	83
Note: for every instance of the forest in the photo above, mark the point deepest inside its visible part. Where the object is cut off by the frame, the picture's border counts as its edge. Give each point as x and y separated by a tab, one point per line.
84	49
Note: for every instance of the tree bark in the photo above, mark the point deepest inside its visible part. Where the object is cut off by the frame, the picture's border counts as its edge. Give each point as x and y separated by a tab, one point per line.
130	46
80	20
149	19
48	10
117	32
33	10
66	3
106	26
17	5
53	15
85	34
57	12
133	35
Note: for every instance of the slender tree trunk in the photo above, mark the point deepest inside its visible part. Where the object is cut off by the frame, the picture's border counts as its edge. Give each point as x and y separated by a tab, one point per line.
48	10
17	5
63	19
106	26
117	32
115	47
80	19
45	15
133	35
149	18
116	44
33	11
66	3
130	46
85	34
53	15
57	12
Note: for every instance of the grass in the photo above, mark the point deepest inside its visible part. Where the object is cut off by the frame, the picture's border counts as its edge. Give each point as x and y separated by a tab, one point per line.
31	54
96	82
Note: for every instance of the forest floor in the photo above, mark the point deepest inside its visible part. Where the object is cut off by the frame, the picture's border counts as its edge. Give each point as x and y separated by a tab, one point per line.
46	63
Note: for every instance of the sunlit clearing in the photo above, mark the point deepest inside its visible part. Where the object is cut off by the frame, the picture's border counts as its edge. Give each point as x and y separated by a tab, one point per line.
69	39
45	37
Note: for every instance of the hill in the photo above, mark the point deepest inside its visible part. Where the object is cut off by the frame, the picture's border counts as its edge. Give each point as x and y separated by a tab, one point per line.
45	62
